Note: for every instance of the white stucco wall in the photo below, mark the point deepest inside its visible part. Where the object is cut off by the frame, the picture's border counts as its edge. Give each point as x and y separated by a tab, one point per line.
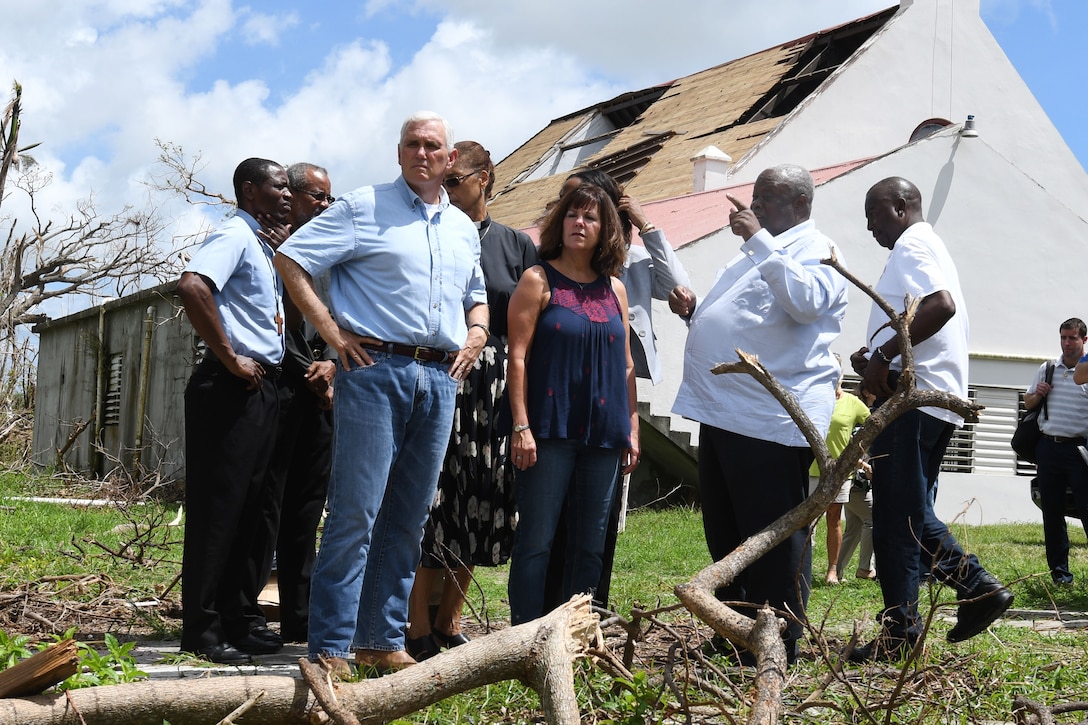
1019	252
933	59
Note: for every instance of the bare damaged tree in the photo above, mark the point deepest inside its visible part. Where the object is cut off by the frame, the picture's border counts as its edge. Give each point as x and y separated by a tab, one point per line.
761	635
51	254
180	176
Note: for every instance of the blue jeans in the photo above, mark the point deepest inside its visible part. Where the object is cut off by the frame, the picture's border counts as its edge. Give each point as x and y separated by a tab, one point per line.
1060	466
906	459
391	425
566	470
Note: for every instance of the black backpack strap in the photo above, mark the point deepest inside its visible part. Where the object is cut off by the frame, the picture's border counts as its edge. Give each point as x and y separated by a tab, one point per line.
1049	376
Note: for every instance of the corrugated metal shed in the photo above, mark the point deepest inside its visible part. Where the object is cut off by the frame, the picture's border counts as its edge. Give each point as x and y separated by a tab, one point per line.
90	369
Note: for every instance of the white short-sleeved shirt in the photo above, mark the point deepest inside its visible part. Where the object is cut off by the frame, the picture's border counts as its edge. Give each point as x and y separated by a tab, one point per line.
918	266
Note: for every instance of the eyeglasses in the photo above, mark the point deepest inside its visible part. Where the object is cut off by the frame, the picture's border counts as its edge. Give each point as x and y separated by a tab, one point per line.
319	196
454	181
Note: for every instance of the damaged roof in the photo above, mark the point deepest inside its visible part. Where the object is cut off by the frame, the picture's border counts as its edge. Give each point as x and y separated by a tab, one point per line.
646	138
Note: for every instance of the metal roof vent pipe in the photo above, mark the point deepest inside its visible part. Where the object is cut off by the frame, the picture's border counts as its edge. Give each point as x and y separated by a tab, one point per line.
710	169
969	130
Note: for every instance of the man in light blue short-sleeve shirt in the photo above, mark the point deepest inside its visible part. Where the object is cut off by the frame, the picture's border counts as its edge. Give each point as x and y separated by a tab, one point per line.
409	318
231	294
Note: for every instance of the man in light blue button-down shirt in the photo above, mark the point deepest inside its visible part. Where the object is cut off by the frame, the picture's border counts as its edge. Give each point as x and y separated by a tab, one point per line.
409	317
231	295
778	301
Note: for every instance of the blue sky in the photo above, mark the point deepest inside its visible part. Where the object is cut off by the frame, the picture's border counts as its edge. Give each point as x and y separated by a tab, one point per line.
1044	41
329	82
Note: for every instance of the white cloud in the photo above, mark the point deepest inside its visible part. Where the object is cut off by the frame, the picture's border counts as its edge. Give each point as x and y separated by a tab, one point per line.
103	78
264	29
102	82
653	42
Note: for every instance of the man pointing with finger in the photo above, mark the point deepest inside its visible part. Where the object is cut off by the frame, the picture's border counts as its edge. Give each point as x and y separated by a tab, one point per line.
777	301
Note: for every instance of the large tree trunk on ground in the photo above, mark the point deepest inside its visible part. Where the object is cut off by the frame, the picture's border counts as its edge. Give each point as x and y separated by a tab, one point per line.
539	653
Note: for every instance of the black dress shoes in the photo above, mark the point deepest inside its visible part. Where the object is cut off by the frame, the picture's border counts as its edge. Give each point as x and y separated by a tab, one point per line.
885	648
263	633
260	641
449	640
421	648
223	654
985	603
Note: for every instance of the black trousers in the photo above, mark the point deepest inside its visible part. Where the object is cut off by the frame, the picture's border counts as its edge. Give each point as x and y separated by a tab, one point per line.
229	436
1060	467
298	484
745	484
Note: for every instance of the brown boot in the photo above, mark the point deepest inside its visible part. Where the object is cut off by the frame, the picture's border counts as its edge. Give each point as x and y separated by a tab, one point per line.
338	667
383	661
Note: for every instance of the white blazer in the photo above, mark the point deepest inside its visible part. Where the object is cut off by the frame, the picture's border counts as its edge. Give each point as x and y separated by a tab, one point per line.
649	273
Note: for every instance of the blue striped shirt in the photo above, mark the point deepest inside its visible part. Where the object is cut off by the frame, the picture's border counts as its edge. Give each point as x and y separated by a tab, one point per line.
1066	403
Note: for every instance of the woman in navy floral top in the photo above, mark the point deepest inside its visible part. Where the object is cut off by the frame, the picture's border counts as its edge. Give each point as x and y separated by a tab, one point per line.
571	385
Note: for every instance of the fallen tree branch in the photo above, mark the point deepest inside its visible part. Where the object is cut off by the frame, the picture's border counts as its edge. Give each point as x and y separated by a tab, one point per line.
80	426
54	664
320	681
241	709
540	653
761	636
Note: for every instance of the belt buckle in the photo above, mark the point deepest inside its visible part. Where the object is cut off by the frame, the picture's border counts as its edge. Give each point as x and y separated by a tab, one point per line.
417	353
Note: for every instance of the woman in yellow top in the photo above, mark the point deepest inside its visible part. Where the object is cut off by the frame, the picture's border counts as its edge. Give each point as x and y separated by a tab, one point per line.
849	412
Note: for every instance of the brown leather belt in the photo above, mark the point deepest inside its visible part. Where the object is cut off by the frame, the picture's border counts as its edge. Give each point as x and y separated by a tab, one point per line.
426	354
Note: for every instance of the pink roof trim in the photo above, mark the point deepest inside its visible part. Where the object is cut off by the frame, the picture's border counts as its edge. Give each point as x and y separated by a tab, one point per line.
691	217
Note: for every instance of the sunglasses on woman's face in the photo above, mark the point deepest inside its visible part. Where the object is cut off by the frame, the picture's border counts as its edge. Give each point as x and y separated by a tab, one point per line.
454	181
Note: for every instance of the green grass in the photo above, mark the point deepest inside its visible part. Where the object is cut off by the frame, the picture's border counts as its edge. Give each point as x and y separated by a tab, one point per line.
969	682
46	548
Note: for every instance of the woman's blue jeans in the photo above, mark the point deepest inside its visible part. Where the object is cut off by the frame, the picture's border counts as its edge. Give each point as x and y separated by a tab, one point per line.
584	477
391	426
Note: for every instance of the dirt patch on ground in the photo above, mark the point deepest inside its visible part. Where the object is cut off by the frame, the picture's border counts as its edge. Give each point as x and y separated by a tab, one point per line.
91	604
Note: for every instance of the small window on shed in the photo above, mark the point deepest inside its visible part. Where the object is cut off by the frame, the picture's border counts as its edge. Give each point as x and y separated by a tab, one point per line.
111	414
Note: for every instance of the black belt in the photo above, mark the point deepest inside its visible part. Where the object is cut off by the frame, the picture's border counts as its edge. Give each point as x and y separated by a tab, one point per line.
272	372
416	352
1063	439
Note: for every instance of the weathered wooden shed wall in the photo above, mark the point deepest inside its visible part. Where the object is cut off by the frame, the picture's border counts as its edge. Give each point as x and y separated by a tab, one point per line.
68	387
